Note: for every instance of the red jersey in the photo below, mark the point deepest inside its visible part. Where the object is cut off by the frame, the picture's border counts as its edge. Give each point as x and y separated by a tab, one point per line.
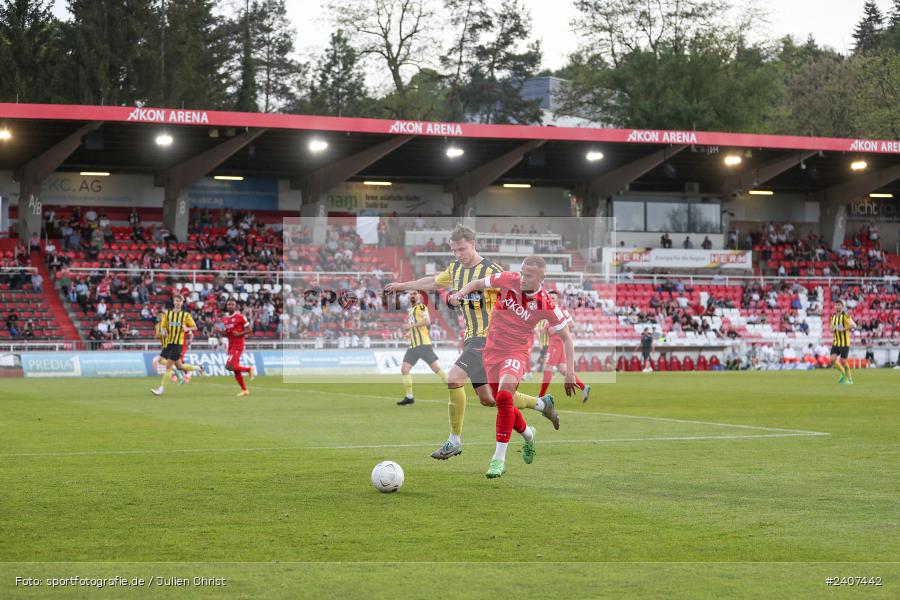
233	323
516	314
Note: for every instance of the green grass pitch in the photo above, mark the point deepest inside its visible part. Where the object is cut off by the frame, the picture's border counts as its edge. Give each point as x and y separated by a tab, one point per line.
663	485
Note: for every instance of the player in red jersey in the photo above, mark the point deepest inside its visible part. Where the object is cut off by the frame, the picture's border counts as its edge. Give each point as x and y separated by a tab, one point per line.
556	358
236	329
521	304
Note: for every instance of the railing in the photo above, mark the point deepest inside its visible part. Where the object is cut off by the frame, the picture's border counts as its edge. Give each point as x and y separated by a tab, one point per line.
620	278
17	270
191	275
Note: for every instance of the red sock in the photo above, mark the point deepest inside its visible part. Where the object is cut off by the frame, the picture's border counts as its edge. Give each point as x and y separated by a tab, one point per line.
240	379
506	416
545	382
519	424
579	382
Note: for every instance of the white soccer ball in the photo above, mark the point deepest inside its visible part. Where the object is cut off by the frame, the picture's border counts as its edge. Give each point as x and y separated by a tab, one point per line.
387	476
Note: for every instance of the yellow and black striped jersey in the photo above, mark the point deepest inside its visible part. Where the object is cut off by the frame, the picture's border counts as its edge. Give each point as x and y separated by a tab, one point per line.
174	323
418	336
159	333
543	334
477	308
841	325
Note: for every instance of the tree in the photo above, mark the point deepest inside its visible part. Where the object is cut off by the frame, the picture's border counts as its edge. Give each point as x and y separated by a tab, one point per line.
186	57
277	73
469	17
29	50
109	43
393	32
338	87
246	92
868	30
894	17
673	64
816	91
499	66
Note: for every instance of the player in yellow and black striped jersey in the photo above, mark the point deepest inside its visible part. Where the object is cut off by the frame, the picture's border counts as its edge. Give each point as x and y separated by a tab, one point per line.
171	330
476	309
841	327
417	323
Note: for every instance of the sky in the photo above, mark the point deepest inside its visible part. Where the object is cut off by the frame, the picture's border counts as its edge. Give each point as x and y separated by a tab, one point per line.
831	22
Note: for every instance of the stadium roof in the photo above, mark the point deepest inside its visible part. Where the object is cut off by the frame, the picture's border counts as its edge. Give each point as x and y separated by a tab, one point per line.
123	142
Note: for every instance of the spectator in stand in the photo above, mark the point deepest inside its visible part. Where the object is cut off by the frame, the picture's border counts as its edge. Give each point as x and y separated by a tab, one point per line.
431	246
12	324
732	239
101	309
706	244
665	241
28	330
34	244
134	218
91	217
687	244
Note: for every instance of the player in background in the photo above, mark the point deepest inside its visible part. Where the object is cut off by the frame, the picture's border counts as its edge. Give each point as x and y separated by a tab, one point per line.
556	357
521	303
469	266
417	323
188	340
159	361
646	349
175	323
841	326
236	329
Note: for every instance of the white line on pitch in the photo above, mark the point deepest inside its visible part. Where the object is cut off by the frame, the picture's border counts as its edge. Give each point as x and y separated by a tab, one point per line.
390	446
569	412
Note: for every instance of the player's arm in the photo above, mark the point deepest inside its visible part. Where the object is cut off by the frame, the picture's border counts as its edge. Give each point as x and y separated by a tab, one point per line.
851	324
164	327
189	324
425	284
569	347
473	286
424	320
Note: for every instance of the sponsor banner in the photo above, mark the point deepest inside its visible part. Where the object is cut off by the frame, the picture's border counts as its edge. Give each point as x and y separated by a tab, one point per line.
389	361
83	364
294	362
881	210
206	118
402	198
251	193
63	188
11	365
651	258
213	362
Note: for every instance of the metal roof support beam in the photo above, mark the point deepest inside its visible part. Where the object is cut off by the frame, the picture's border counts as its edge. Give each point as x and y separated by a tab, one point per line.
611	183
176	180
471	183
749	179
32	174
317	182
833	201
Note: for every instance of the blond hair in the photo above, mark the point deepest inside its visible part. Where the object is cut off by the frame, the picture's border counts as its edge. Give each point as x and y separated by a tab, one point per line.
461	232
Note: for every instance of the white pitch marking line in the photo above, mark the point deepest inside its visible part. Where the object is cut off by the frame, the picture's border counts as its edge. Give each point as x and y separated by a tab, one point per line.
390	446
573	412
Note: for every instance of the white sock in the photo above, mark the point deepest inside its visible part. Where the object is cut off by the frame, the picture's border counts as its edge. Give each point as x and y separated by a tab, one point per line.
528	434
540	405
455	439
408	397
500	452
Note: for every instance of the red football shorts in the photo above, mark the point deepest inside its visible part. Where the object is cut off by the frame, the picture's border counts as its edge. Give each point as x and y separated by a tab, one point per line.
556	353
500	362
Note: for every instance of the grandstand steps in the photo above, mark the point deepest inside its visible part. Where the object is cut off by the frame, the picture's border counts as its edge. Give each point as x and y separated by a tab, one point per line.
578	262
54	303
393	258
